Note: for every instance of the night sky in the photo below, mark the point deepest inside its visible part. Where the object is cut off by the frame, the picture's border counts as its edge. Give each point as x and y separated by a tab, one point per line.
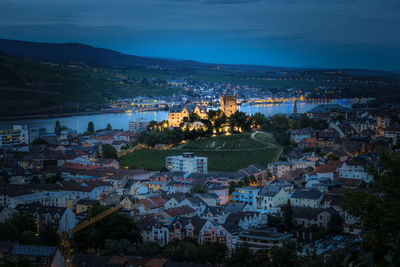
295	33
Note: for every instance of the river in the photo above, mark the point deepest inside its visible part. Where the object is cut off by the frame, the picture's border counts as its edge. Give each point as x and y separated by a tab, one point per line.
121	120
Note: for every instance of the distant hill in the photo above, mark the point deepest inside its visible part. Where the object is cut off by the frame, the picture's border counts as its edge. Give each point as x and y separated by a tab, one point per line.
81	53
31	87
42	78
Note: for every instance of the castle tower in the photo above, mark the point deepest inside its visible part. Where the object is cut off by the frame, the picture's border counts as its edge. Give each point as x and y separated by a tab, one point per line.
228	104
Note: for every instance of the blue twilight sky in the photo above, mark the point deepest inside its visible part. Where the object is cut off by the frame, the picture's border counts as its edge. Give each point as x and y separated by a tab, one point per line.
295	33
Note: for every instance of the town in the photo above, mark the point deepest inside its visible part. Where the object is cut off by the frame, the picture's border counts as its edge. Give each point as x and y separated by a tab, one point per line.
210	186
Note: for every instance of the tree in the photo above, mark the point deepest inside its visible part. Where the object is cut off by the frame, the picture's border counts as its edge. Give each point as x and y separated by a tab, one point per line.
288	215
259	119
153	125
182	251
335	225
252	179
15	261
239	122
22	228
108	127
35	179
53	179
109	151
6	178
332	157
285	256
241	256
146	249
212	115
57	129
294	124
90	128
378	211
246	181
115	226
232	187
39	141
211	252
220	122
198	188
194	117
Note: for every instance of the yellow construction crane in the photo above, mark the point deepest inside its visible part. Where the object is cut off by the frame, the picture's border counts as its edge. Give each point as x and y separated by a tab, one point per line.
66	249
110	191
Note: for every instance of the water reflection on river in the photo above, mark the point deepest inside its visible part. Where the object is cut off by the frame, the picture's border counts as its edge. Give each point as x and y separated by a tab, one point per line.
121	120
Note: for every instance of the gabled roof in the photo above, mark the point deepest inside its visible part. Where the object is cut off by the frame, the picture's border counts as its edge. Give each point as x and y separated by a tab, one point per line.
196	200
119	260
327	168
87	260
179	211
349	182
13	190
214	186
231	223
40	209
179	196
234	207
196	221
356	162
185	264
334	199
310	213
153	202
307	194
147	223
38	251
253	169
269	190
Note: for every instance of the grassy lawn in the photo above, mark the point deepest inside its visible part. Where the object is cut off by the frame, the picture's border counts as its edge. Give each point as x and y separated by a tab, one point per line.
248	151
237	141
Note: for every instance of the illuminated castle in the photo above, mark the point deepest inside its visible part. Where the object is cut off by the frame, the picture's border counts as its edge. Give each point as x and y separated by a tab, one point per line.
228	104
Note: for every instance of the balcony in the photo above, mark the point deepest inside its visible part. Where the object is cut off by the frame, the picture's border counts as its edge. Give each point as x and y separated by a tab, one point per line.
242	199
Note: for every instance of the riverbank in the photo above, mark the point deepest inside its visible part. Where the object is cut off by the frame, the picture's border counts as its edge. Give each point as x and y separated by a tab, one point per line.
120	120
68	114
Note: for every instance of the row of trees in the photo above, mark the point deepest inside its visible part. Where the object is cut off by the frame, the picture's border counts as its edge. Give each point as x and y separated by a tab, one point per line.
23	229
286	223
158	132
246	181
378	211
116	226
90	128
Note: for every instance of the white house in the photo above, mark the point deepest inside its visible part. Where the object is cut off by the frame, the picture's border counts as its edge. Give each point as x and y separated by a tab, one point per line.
355	169
306	198
272	196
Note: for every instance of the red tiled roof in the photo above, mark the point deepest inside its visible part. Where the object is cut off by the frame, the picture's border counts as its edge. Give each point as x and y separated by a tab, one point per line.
327	168
350	182
154	262
178	211
119	260
153	202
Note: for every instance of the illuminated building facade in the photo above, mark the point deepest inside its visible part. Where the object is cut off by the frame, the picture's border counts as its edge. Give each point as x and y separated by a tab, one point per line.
177	114
19	135
187	163
228	104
